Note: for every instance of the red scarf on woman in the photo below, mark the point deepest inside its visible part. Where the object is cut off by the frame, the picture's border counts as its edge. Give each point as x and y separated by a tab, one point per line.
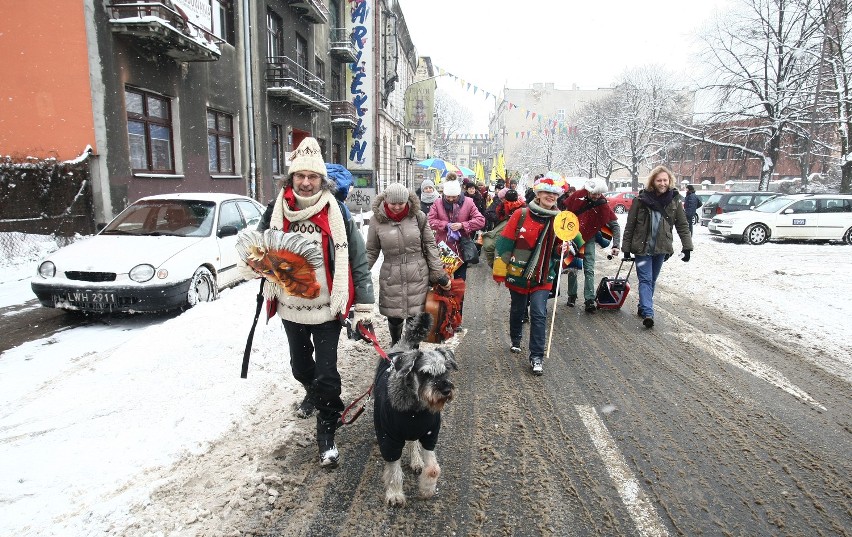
396	217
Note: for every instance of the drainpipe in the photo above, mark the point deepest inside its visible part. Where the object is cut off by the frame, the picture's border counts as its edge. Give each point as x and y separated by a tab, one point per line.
249	99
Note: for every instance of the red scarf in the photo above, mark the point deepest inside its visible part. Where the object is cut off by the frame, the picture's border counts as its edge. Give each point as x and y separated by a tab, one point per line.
396	217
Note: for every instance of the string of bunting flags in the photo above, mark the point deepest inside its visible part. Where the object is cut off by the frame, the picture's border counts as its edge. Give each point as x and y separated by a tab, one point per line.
550	125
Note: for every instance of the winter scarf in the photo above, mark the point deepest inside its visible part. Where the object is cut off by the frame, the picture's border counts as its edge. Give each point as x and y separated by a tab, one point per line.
656	202
430	197
396	217
538	263
505	209
326	215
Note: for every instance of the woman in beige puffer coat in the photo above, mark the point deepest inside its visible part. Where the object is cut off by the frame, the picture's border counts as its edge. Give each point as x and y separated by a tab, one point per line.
399	230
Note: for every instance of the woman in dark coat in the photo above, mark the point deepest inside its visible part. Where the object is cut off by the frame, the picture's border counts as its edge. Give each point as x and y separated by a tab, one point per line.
648	234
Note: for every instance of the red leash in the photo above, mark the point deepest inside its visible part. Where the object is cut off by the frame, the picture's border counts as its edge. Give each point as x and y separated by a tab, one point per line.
368	335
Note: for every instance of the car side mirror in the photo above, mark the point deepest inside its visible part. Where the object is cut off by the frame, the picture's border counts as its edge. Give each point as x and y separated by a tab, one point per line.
227	231
788	211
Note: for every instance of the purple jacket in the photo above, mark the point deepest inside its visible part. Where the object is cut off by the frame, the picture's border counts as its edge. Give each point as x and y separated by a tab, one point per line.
464	211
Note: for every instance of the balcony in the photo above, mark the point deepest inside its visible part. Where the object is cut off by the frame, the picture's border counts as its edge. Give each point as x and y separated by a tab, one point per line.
342	45
290	81
159	29
343	115
311	10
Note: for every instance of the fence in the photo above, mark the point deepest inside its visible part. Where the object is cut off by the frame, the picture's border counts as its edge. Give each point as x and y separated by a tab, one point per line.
44	203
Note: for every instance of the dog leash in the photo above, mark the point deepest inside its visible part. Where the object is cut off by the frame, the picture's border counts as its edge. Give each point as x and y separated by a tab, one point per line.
367	335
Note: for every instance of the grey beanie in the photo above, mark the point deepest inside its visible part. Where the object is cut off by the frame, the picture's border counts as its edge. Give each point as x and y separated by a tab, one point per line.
396	193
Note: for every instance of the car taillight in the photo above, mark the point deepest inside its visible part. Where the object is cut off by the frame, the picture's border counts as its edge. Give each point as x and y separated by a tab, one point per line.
719	210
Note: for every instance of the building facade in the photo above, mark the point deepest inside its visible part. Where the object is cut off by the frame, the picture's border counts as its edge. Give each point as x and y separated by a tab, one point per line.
212	95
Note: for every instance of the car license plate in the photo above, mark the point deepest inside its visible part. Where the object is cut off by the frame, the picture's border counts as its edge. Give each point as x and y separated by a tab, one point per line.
95	300
711	226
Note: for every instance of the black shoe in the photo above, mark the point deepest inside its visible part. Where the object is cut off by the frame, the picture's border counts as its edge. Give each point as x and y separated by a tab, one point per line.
648	322
572	300
590	306
639	312
307	407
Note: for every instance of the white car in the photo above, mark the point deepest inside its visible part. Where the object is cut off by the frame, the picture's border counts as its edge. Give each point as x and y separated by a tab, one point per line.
801	216
162	252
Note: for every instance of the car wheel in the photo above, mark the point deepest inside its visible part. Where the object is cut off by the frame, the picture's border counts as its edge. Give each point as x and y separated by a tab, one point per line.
695	220
202	288
756	234
620	209
847	237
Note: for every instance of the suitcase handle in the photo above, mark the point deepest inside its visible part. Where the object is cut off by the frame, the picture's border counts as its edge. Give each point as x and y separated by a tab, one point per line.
631	261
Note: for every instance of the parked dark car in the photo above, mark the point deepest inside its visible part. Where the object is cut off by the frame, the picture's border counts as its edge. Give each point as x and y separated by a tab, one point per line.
730	202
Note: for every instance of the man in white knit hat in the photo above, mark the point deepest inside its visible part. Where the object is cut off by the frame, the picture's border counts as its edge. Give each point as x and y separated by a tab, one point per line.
306	205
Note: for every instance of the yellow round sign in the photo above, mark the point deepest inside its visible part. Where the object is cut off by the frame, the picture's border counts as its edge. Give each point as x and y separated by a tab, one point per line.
566	225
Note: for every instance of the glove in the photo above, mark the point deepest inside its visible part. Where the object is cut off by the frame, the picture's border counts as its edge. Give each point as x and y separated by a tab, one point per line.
363	314
685	256
627	256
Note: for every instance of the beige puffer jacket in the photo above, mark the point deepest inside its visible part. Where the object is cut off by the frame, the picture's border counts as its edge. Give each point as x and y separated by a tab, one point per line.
410	264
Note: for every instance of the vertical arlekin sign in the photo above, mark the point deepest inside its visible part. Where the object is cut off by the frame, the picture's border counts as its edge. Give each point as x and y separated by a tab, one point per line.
359	76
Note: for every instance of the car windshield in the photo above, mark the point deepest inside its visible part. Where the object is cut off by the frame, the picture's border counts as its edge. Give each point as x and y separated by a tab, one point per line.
773	205
179	218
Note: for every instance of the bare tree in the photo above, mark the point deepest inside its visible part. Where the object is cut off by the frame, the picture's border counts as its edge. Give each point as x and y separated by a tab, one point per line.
542	153
629	127
451	118
761	61
834	102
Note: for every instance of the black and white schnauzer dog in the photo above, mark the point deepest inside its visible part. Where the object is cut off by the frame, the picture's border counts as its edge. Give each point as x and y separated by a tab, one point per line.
410	391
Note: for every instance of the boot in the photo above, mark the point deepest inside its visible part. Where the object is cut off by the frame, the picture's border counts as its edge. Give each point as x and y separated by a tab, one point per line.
308	405
329	456
572	300
395	332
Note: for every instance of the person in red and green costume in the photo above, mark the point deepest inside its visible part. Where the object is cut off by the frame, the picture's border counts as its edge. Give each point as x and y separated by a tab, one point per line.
531	251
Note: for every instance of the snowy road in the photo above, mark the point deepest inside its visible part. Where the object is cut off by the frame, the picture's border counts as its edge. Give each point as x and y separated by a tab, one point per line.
732	415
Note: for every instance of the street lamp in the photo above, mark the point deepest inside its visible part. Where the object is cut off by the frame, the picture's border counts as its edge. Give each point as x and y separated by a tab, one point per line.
408	157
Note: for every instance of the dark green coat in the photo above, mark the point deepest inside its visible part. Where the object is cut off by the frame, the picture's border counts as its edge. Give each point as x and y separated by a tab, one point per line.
638	228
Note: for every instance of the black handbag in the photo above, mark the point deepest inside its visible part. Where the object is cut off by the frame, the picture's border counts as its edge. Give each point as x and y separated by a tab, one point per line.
468	251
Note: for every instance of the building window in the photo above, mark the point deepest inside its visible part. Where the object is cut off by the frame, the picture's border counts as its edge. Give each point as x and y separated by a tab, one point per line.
274	37
335	153
275	139
560	114
302	52
706	152
223	19
336	94
149	131
320	69
220	142
473	150
722	153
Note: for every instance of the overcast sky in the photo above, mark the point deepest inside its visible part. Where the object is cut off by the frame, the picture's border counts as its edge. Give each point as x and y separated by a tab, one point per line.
492	43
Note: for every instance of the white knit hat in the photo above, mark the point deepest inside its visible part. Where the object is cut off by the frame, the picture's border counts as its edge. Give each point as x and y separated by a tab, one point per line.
307	158
452	188
595	186
396	193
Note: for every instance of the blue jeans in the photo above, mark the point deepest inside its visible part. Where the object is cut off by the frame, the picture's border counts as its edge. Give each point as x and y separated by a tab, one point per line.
648	269
538	319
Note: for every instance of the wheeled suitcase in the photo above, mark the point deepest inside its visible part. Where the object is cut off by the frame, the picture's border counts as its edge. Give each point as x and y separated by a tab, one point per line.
612	292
